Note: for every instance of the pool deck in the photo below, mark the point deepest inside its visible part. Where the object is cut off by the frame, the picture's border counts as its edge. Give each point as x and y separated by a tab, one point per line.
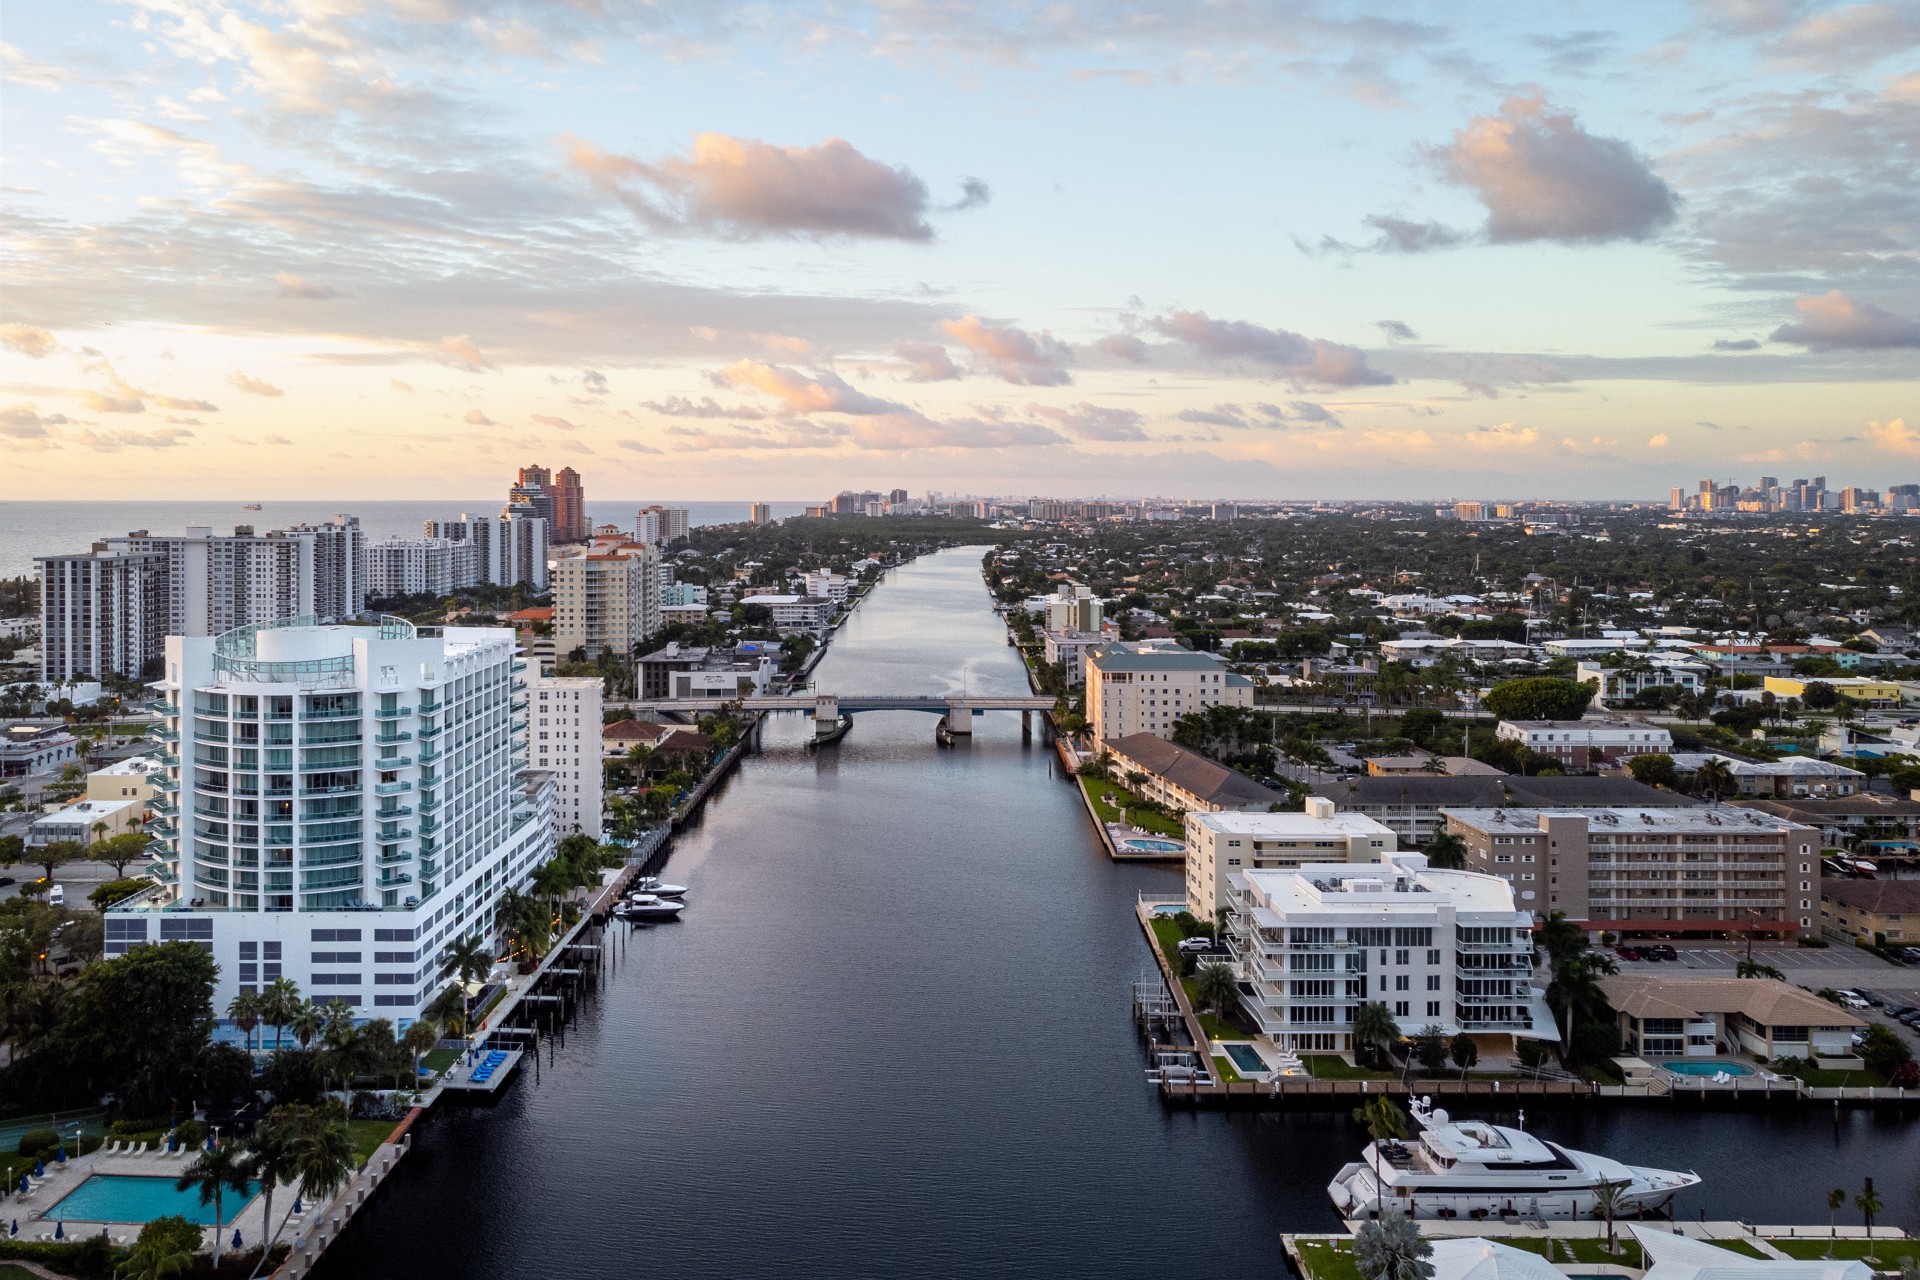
32	1209
459	1077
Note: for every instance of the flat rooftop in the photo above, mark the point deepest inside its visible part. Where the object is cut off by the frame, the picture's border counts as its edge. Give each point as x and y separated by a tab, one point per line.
1299	826
1702	819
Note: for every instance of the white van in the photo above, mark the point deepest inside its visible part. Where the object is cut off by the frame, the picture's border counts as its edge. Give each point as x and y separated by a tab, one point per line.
57	896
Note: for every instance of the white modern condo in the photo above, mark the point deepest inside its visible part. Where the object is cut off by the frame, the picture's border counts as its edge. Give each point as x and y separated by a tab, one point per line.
338	803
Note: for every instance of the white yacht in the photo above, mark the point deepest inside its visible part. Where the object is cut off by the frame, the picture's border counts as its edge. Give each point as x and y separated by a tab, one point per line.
659	889
1471	1169
647	907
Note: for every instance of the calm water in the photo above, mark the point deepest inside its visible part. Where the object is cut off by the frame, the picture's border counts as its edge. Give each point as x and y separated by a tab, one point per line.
891	1037
29	529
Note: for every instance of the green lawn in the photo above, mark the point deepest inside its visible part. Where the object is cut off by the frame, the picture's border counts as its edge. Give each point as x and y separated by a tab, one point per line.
12	1271
439	1060
1167	934
368	1135
1098	789
1889	1252
1328	1066
1327	1260
1843	1079
1223	1070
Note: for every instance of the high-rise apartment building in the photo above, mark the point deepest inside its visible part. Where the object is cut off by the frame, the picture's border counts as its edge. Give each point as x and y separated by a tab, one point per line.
1134	689
421	566
102	612
338	803
760	513
569	508
606	597
509	550
661	526
531	495
564	740
204	583
1676	499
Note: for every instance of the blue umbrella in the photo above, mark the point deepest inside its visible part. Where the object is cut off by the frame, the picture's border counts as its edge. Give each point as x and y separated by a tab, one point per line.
296	1205
59	1231
25	1186
171	1145
14	1229
209	1144
39	1167
236	1238
62	1157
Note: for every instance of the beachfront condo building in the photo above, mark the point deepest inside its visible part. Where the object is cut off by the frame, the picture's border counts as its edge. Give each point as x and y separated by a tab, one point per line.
1708	869
1446	949
606	597
564	740
338	803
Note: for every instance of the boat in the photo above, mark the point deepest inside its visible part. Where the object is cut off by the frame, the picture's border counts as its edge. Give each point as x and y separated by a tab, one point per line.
645	907
1472	1169
1864	869
251	506
655	886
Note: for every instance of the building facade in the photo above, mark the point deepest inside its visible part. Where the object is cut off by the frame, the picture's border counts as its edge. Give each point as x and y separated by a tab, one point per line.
339	803
1132	689
510	550
569	507
1867	911
1186	781
1681	1017
760	513
1590	743
1710	869
102	613
606	598
564	740
1222	845
1438	948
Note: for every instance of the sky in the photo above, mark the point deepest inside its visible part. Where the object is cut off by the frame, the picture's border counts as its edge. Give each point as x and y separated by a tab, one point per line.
1185	248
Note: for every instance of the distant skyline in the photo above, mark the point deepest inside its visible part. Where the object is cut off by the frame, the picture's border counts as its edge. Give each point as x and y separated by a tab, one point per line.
1201	247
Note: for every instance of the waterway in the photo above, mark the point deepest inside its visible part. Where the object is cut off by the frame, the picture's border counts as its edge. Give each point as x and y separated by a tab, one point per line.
891	1037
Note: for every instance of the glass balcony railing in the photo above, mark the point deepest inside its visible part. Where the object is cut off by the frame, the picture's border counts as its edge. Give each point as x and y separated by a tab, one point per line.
392	713
391	788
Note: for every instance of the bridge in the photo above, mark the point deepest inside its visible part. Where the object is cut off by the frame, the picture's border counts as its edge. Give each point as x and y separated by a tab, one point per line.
829	710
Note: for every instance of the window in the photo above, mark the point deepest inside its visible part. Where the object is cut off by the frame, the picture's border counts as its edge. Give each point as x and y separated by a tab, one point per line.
1400	1008
1433	1008
336	957
1433	956
336	935
1401	981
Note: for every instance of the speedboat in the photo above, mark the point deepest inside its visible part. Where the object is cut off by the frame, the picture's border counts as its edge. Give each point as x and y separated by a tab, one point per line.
645	906
1469	1168
655	886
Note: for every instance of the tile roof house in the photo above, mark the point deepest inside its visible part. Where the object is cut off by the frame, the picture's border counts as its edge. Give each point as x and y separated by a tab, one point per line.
1186	780
1860	909
1662	1017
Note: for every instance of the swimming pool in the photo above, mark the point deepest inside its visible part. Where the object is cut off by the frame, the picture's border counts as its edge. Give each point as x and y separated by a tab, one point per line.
1153	846
1245	1060
1706	1067
113	1197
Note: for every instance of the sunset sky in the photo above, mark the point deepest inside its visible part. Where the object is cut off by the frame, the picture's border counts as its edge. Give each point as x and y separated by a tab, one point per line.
1175	247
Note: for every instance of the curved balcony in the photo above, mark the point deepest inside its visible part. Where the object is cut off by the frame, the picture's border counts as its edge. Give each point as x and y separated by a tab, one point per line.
163	828
387	835
164	807
390	815
387	737
164	734
167	758
429	732
165	782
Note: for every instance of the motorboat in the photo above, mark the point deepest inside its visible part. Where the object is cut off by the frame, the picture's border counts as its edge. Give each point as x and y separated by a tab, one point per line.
658	888
1472	1169
646	906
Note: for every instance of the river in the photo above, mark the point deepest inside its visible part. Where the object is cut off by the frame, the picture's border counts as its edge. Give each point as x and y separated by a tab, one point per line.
891	1036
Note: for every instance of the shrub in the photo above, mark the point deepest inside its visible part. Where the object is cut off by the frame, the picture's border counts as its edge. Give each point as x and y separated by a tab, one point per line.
33	1141
190	1133
114	890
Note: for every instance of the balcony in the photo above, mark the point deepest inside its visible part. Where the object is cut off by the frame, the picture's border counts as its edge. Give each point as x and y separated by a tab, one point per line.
163	734
391	788
388	737
390	834
165	782
392	814
429	826
392	713
394	859
394	881
167	758
163	828
429	706
428	755
163	806
430	732
331	713
429	805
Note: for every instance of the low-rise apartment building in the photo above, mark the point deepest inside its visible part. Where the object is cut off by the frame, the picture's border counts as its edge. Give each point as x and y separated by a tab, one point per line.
1783	779
1588	743
1411	804
1137	689
1185	781
1663	1017
1865	690
1069	650
131	779
86	822
1224	844
1617	684
795	613
1870	910
1866	823
1710	869
1438	948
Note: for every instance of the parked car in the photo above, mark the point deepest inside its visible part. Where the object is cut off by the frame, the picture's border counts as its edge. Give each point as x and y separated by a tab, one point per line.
1852	1001
1900	1011
1629	953
1195	945
1912	1019
1665	952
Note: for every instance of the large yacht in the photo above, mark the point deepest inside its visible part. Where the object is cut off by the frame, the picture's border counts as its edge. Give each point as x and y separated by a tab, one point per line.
1471	1169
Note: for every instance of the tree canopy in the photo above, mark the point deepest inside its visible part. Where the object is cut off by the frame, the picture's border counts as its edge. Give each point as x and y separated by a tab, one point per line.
1540	698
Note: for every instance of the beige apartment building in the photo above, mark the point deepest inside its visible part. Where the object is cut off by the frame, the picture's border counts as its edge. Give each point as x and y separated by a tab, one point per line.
1133	689
1222	845
606	598
1706	870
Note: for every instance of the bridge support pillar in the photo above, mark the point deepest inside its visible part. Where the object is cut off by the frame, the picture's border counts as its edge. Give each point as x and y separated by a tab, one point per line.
1026	726
826	715
959	720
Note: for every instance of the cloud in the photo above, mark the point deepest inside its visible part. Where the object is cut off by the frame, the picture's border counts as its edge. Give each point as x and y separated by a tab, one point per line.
636	446
254	386
594	381
1848	36
902	431
545	420
398	385
114	441
1397	330
23	70
28	340
292	286
973	194
744	188
927	362
1736	344
799	394
708	407
275	440
1543	177
112	402
1263	415
460	348
1019	357
21	422
1286	353
1594	446
1123	346
1092	421
1502	435
479	419
186	406
1895	436
1833	322
1660	441
1401	235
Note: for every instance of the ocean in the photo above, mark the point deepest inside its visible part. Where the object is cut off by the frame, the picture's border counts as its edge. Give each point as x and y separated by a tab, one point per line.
29	529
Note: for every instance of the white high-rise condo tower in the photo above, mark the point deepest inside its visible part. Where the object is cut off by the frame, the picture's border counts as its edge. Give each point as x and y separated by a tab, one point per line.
338	803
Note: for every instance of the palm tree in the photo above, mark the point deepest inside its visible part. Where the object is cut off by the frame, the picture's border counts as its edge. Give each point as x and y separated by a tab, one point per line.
1446	851
306	1023
418	1042
1836	1201
342	1048
1392	1250
449	1009
1218	986
214	1173
1608	1199
156	1255
1383	1119
1868	1203
1373	1027
270	1162
322	1149
278	1004
468	959
244	1009
1713	777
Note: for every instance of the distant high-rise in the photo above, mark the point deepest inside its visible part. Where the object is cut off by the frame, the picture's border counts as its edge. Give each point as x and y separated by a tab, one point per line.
897	498
661	526
510	550
532	496
760	513
569	508
1676	499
